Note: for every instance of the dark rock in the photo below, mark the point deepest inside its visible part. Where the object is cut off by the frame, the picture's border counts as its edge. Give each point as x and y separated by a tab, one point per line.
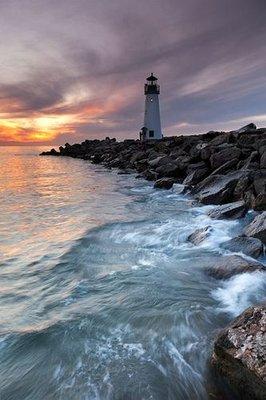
241	244
137	156
241	187
168	170
237	209
206	152
247	128
150	175
228	266
252	161
229	165
257	228
200	235
259	183
159	161
239	354
196	176
263	161
259	203
217	189
221	139
125	171
223	156
196	166
164	183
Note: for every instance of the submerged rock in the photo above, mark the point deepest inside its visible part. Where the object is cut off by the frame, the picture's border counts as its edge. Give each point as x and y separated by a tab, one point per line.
232	265
164	183
239	354
199	235
237	209
241	244
257	228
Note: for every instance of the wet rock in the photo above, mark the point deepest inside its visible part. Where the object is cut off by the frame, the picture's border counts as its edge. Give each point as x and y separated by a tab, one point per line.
236	209
200	235
239	354
223	156
150	175
257	228
125	171
217	189
164	183
229	266
241	244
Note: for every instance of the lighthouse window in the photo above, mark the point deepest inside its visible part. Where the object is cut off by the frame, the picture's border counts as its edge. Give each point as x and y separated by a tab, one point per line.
151	133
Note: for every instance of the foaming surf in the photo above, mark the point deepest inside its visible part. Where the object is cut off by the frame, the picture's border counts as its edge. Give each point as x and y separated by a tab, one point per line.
108	299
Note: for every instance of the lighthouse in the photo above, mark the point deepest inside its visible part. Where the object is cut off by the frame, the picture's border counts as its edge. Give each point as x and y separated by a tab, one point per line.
152	121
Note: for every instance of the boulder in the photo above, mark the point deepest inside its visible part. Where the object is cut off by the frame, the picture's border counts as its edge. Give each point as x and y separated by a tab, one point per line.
217	189
220	139
257	228
164	183
239	354
158	161
228	266
196	176
168	170
251	163
195	166
225	155
229	165
139	155
260	202
241	187
241	244
199	235
150	175
246	128
237	209
259	183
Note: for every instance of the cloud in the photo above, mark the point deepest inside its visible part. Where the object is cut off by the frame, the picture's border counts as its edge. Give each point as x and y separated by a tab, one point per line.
79	67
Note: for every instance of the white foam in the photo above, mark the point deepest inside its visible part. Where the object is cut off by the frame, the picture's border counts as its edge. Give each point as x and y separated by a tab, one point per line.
240	292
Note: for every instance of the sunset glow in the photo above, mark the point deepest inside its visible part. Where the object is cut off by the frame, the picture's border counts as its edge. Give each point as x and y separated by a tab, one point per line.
76	72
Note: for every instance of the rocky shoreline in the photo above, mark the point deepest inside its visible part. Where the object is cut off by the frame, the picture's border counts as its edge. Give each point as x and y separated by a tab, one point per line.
226	169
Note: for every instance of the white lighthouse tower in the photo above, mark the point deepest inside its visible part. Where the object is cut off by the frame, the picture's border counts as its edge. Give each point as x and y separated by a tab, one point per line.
152	121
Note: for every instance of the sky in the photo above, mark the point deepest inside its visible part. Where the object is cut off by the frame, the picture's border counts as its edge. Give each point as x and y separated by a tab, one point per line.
74	69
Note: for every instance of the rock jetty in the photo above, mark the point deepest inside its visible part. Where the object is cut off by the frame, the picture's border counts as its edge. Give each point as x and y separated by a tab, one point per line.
226	169
217	167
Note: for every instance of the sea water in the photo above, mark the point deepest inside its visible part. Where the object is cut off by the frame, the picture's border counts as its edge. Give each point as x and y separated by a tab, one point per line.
101	295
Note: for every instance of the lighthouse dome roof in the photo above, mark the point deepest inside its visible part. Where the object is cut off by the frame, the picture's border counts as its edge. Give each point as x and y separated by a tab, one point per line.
152	78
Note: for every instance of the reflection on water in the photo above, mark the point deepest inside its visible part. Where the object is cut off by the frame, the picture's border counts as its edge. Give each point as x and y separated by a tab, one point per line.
101	295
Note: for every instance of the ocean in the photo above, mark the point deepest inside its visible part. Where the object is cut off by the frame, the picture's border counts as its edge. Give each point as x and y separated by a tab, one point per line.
102	296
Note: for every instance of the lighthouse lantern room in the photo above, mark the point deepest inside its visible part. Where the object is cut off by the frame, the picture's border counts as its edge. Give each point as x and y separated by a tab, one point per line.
152	122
